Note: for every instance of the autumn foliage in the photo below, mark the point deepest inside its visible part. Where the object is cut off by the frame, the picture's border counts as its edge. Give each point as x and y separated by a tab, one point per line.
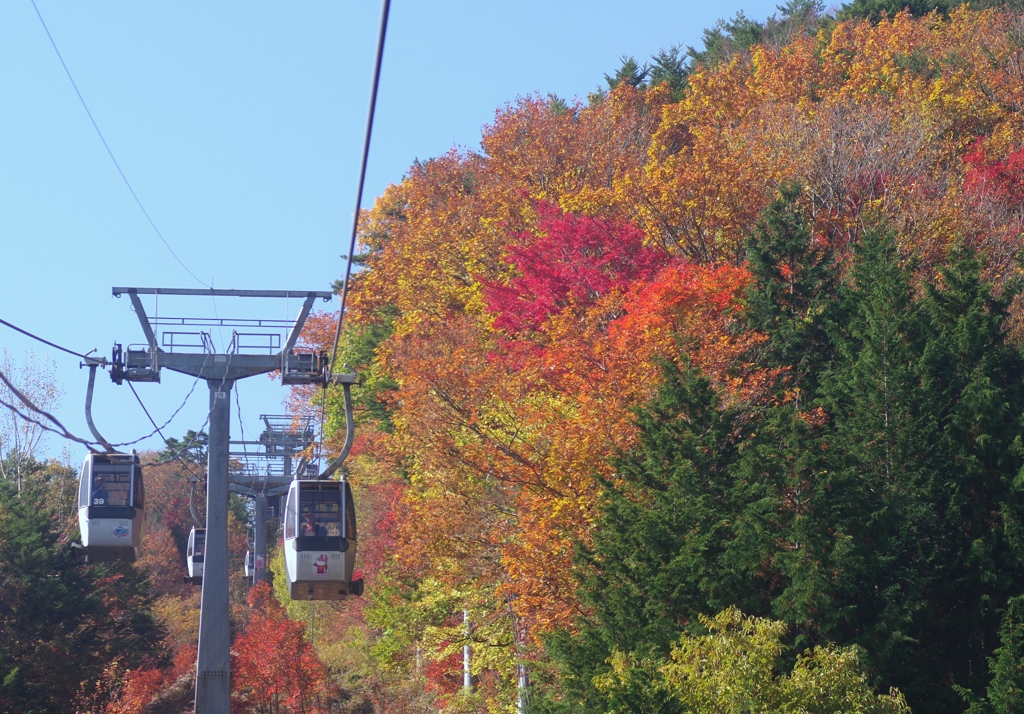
532	288
275	668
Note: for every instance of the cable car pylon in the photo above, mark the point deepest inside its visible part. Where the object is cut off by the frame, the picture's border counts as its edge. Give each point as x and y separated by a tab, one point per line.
192	353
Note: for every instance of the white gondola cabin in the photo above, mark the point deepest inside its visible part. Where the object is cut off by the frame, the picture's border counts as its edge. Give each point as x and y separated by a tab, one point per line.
195	554
320	540
250	563
111	507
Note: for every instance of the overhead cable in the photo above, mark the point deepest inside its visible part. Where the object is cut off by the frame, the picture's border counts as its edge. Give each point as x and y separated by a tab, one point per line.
245	450
362	173
156	429
62	430
385	9
111	153
175	456
45	342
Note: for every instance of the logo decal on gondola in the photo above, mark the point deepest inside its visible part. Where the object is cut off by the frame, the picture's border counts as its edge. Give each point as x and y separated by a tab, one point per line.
122	532
321	565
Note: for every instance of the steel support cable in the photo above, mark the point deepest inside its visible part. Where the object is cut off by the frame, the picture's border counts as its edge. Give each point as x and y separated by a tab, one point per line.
156	429
92	364
385	9
241	429
362	173
177	455
109	152
61	430
45	342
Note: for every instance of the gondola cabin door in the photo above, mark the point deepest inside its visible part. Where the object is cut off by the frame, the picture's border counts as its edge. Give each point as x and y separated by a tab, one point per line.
320	540
111	507
195	554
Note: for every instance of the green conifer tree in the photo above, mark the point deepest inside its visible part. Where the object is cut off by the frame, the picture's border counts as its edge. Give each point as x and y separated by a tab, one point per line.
881	449
664	525
792	297
1006	692
62	622
973	381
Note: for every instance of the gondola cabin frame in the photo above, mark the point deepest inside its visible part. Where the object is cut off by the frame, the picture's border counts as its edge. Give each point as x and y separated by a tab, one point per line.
111	507
195	555
320	540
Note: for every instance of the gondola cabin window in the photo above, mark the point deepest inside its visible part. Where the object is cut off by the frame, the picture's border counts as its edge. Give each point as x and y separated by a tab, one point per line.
290	522
112	489
321	514
110	485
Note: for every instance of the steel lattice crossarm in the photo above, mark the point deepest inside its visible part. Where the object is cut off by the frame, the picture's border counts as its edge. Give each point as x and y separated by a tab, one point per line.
256	345
257	475
280	454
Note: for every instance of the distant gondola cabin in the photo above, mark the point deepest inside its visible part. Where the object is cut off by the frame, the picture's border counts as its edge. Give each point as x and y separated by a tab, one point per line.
195	554
111	506
320	540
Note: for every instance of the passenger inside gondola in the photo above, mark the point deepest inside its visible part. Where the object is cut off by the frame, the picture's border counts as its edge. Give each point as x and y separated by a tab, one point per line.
100	497
113	488
311	528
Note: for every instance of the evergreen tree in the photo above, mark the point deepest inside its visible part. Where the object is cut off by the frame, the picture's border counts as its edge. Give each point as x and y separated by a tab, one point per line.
62	622
801	11
792	297
973	380
725	39
881	449
789	494
1006	691
664	526
873	500
630	72
191	448
875	10
669	65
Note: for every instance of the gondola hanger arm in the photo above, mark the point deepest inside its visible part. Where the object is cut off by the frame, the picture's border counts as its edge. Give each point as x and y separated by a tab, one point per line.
92	363
346	381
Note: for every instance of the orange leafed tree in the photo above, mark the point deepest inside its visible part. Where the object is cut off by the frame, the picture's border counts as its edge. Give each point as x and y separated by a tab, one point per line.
275	669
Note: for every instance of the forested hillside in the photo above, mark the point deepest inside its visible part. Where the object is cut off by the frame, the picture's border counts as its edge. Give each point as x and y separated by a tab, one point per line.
748	338
702	393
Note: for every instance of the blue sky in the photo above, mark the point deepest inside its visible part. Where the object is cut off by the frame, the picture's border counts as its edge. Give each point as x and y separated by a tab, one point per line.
240	127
